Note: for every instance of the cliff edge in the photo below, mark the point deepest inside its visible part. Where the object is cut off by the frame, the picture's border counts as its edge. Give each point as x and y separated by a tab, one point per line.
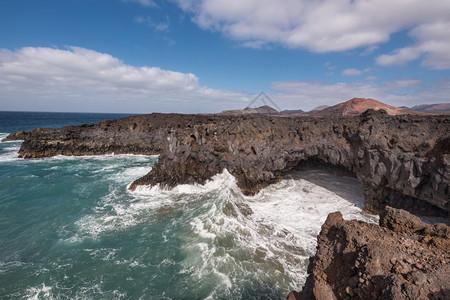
402	258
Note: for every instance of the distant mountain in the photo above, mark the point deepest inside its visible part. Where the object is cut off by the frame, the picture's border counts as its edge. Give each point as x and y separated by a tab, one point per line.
438	108
263	110
292	111
357	106
319	108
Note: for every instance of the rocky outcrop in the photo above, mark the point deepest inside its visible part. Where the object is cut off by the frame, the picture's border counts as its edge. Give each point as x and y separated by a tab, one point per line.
402	258
142	134
16	136
401	161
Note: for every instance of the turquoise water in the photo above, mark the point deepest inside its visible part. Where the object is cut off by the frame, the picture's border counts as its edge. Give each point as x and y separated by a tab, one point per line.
70	229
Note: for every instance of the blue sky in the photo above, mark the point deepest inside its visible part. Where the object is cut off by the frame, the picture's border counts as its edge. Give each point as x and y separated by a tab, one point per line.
191	56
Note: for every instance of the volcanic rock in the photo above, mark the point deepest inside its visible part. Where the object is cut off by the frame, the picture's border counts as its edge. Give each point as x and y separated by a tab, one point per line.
16	136
402	258
401	161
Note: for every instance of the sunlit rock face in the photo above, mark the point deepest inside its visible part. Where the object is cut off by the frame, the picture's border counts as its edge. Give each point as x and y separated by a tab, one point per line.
402	258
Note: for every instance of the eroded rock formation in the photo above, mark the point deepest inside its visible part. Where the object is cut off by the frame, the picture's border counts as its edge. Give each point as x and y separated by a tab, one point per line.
403	258
402	161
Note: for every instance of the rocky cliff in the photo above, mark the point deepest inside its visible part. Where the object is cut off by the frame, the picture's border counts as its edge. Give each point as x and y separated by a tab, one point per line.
402	161
402	258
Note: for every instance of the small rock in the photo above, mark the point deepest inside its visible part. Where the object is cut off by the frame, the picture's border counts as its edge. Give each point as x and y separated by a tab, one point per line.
418	278
349	291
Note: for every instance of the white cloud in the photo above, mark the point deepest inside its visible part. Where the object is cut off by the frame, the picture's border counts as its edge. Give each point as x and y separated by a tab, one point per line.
369	50
329	25
158	26
148	3
78	79
432	42
351	72
354	72
399	56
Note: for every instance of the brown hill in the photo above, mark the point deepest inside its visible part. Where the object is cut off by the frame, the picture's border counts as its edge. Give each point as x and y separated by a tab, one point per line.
357	106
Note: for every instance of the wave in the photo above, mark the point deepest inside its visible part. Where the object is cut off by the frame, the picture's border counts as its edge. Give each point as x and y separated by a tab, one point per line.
39	292
9	152
269	236
230	240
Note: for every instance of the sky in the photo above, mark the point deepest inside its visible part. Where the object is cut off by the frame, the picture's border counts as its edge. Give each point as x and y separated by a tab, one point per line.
205	56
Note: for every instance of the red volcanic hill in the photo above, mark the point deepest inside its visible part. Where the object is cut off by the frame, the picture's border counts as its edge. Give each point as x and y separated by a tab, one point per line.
357	106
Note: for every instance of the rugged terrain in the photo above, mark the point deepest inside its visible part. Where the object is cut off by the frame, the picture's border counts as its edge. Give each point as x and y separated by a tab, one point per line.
402	161
402	258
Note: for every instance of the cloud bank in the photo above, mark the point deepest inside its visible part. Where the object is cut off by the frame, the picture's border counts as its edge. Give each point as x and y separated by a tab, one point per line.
82	80
332	25
69	79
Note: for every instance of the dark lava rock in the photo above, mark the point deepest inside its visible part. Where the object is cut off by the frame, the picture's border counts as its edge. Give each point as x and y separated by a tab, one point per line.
401	161
402	258
15	136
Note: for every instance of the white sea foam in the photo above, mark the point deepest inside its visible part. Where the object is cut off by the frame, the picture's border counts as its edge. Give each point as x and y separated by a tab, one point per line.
267	238
116	214
3	135
39	292
8	266
10	152
129	174
270	235
10	149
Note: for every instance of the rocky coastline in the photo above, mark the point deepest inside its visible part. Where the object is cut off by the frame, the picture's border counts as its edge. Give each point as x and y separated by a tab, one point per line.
401	161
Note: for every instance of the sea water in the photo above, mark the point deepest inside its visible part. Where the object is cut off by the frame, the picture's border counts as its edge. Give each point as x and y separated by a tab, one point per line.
70	228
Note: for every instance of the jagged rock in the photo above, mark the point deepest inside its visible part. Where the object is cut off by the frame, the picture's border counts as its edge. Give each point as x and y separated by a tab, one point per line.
15	136
403	258
401	161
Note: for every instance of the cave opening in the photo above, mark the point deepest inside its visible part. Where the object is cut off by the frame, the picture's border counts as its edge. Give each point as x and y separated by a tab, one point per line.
376	198
318	164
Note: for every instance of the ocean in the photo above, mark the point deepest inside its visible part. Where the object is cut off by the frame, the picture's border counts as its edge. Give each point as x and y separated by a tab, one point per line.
70	228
